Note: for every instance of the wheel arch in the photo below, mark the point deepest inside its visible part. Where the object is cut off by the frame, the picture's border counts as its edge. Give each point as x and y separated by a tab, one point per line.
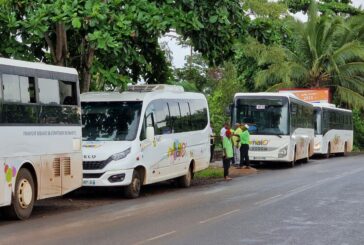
142	170
29	166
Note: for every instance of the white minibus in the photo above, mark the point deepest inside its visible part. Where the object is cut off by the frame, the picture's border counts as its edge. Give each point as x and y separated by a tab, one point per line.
280	124
40	128
149	133
333	130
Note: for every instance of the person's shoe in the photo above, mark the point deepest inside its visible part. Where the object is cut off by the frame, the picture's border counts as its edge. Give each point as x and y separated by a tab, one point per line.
228	178
238	167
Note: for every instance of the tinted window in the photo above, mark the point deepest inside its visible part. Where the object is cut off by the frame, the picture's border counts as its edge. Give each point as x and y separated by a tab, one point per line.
48	91
161	115
110	121
11	88
67	93
27	90
199	118
174	115
183	124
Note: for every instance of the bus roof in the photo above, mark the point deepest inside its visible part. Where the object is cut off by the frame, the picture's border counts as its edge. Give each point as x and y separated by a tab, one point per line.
268	94
137	96
7	63
329	106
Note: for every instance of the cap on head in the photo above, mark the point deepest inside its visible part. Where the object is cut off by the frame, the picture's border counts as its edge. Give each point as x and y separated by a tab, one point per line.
246	126
228	133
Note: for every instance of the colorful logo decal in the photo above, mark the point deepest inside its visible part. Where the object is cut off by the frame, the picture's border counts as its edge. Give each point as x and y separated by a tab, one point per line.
177	150
10	172
259	142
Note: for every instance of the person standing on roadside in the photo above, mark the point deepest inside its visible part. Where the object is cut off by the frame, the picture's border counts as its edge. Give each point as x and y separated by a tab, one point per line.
236	141
227	146
223	130
244	148
212	143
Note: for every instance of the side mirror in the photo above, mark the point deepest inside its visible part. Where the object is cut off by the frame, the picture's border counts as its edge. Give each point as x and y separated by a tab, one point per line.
150	133
229	109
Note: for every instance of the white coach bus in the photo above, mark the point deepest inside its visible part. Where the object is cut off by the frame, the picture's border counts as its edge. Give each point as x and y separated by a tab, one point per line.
40	128
333	130
281	126
147	134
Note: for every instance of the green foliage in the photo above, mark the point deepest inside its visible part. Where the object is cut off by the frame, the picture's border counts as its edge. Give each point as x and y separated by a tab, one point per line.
210	172
328	52
358	119
325	6
222	96
115	42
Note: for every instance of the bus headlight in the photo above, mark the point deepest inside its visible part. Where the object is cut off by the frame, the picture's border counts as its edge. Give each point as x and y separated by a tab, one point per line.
120	155
283	152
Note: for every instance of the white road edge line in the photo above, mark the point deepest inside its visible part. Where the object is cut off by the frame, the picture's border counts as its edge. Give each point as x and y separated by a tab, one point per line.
218	216
266	200
155	238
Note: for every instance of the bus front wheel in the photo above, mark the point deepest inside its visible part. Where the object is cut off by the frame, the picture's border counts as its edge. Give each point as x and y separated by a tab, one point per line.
328	154
293	163
186	180
133	189
23	197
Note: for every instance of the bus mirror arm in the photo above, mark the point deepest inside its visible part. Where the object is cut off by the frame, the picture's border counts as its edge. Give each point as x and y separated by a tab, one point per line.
150	133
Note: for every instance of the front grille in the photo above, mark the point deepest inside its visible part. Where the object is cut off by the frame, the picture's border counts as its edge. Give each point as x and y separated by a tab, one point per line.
92	176
94	165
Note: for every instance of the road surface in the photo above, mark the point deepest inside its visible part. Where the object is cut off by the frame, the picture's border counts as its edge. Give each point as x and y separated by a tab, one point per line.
316	203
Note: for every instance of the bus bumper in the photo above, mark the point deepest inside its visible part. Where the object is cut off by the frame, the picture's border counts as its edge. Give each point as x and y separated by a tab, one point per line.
108	178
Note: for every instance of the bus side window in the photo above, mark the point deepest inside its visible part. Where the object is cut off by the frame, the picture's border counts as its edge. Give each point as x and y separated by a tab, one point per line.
11	88
148	121
67	93
48	91
161	117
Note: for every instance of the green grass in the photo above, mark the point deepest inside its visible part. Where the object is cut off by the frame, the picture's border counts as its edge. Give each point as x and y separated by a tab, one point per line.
210	173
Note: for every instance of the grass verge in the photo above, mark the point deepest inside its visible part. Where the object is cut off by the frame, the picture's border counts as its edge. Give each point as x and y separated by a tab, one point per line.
210	173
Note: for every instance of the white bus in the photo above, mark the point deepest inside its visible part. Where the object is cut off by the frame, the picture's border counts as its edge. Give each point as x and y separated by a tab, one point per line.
40	128
147	134
281	126
333	130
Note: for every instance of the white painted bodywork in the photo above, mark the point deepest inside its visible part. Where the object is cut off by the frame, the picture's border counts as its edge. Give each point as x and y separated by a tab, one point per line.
156	157
39	146
268	147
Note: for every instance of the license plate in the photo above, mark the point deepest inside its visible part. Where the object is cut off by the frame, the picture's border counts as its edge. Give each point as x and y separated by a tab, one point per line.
259	158
89	182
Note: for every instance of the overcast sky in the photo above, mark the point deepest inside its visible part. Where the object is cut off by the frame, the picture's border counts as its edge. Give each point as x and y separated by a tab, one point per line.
179	52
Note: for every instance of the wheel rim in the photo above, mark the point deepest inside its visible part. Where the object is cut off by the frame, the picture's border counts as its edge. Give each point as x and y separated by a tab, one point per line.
25	193
136	185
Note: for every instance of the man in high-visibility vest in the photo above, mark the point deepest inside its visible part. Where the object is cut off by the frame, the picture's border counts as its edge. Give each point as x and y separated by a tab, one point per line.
244	147
236	141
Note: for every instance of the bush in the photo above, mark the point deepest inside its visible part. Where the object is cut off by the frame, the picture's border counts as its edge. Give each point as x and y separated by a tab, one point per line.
358	119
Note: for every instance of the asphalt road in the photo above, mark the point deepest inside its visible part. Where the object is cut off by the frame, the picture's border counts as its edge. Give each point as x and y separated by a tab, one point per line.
316	203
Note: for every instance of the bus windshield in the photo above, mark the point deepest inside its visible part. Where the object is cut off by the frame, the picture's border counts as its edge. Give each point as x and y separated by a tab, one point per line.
317	120
265	116
110	121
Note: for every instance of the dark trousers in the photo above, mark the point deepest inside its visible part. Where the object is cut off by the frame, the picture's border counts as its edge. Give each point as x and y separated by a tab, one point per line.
226	162
212	148
244	155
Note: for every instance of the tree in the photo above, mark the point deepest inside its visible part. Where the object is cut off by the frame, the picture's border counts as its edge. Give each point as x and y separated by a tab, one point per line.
115	39
325	6
329	53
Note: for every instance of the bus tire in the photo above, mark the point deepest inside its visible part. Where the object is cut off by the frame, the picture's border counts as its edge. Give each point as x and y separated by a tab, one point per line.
23	197
328	154
133	189
293	163
307	159
185	181
345	153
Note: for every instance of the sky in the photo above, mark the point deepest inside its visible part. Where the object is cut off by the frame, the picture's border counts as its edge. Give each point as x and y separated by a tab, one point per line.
179	53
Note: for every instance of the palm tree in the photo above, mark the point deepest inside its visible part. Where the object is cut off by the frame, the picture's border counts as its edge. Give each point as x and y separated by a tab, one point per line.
329	52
